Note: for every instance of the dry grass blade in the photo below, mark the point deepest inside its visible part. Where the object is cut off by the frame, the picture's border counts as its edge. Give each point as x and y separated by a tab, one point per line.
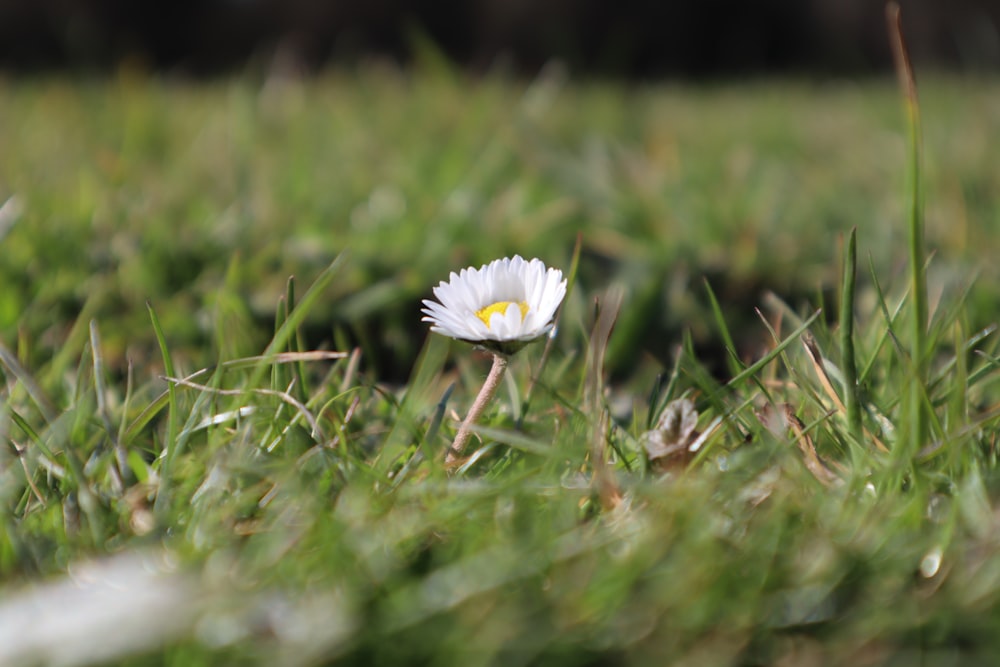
819	365
901	54
604	479
286	358
352	369
779	422
160	402
317	432
19	454
816	356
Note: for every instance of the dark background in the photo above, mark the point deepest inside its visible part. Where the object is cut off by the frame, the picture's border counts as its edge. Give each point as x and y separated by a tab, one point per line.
631	38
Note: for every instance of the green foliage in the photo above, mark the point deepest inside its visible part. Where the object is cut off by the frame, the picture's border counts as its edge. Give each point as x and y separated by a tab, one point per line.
275	446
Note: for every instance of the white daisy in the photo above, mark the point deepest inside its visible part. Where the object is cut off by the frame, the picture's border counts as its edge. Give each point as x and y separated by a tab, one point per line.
501	306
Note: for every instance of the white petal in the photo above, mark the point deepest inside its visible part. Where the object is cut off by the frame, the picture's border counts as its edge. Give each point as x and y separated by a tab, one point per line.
514	280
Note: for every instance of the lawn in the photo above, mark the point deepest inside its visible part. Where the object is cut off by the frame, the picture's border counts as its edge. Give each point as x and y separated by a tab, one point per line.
225	423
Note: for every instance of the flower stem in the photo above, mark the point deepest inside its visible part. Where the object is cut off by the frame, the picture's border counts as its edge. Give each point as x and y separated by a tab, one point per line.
482	400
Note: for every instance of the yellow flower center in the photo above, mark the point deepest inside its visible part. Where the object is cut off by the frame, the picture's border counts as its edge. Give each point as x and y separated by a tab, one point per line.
500	307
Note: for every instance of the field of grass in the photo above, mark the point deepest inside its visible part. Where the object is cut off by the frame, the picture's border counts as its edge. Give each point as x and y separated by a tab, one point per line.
208	461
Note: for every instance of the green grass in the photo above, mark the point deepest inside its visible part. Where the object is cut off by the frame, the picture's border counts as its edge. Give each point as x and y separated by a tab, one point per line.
272	448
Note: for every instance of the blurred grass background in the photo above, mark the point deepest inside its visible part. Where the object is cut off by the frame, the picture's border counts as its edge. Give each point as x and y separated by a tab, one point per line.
204	198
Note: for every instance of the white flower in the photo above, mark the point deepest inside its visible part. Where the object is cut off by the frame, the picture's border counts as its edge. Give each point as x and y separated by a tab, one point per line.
501	305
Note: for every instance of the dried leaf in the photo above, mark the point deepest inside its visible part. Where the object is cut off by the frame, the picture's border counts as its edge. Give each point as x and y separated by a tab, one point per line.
669	444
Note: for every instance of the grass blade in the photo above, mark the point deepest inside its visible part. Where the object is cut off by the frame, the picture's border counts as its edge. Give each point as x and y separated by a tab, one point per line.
295	317
778	349
170	442
918	278
116	470
403	432
848	359
732	359
298	369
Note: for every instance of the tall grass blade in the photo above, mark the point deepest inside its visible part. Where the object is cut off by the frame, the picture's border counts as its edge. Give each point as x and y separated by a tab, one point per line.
279	375
117	471
848	358
173	416
295	318
296	345
121	447
918	417
732	359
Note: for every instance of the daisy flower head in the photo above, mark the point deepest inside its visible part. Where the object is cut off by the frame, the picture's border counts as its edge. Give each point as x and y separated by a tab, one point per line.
500	306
